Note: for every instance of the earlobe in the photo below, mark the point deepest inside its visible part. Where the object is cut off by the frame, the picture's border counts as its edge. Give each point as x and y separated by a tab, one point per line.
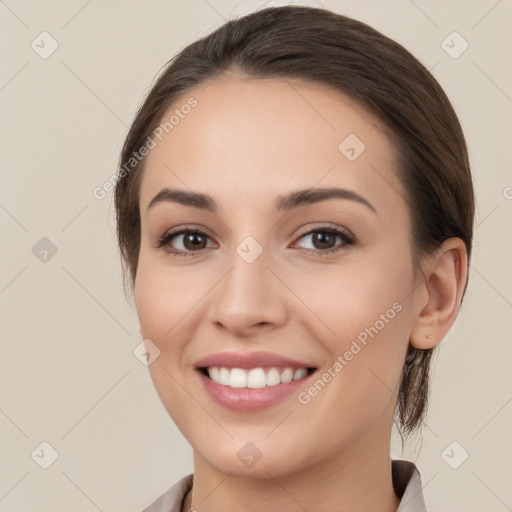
440	294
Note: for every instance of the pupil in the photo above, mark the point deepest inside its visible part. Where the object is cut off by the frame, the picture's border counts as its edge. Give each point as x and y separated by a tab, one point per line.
321	239
191	238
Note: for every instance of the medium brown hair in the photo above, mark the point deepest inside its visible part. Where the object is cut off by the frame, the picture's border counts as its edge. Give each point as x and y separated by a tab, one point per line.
320	46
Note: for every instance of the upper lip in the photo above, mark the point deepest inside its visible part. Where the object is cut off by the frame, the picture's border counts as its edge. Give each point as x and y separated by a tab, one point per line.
250	360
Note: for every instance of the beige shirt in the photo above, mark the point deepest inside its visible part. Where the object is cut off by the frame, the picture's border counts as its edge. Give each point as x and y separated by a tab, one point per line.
406	482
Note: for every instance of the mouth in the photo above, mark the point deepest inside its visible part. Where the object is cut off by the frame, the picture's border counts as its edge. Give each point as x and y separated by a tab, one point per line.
255	378
251	381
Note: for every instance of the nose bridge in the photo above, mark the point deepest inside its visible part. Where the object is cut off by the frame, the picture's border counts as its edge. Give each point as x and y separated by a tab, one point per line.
249	294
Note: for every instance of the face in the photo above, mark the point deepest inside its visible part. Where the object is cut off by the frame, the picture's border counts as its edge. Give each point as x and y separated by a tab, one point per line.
320	280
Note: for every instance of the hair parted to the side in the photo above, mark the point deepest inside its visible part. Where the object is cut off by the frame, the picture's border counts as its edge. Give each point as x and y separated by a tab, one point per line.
319	46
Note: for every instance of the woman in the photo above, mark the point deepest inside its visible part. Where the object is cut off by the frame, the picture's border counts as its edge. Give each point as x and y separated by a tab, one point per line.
295	213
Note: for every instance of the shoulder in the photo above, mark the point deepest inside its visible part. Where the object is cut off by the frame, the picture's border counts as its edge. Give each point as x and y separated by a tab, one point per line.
170	500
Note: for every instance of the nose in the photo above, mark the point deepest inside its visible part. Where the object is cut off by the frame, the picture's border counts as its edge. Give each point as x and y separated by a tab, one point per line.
249	299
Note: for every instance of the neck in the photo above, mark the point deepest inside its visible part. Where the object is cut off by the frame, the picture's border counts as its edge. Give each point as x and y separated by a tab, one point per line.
344	482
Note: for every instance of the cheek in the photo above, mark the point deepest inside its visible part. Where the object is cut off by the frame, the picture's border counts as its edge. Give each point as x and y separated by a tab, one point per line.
164	296
367	311
163	306
348	299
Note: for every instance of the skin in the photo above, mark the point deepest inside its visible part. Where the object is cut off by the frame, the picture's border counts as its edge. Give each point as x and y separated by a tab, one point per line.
246	142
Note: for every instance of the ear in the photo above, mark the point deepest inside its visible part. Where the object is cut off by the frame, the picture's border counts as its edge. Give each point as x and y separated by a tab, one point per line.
439	294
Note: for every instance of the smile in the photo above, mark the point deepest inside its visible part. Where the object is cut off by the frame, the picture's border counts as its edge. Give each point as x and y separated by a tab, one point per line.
256	377
251	381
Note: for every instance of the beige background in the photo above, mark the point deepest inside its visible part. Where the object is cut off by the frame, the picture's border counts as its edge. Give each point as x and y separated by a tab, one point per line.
69	376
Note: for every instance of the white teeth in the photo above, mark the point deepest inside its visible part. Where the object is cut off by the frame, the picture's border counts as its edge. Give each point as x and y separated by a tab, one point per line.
238	378
224	374
273	377
254	378
300	373
214	372
287	375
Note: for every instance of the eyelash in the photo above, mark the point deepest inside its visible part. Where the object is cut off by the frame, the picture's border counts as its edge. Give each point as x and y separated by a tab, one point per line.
346	236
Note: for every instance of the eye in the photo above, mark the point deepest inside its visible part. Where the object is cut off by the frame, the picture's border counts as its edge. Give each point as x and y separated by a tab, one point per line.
188	242
323	240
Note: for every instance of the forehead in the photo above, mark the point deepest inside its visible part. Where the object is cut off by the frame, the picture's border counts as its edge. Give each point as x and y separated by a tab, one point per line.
257	138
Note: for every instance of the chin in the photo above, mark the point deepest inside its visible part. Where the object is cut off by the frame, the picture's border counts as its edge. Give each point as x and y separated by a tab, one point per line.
244	459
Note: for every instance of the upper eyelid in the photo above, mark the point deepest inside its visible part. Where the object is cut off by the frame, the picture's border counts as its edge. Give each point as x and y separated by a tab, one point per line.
303	231
323	227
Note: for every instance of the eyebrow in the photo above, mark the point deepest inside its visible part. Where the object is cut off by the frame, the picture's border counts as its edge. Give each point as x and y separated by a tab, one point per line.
283	203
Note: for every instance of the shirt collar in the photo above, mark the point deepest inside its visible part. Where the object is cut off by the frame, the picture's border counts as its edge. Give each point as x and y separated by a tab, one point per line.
406	483
408	486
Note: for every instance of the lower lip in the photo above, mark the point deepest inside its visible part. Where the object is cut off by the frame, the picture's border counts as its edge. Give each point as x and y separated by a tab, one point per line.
250	399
